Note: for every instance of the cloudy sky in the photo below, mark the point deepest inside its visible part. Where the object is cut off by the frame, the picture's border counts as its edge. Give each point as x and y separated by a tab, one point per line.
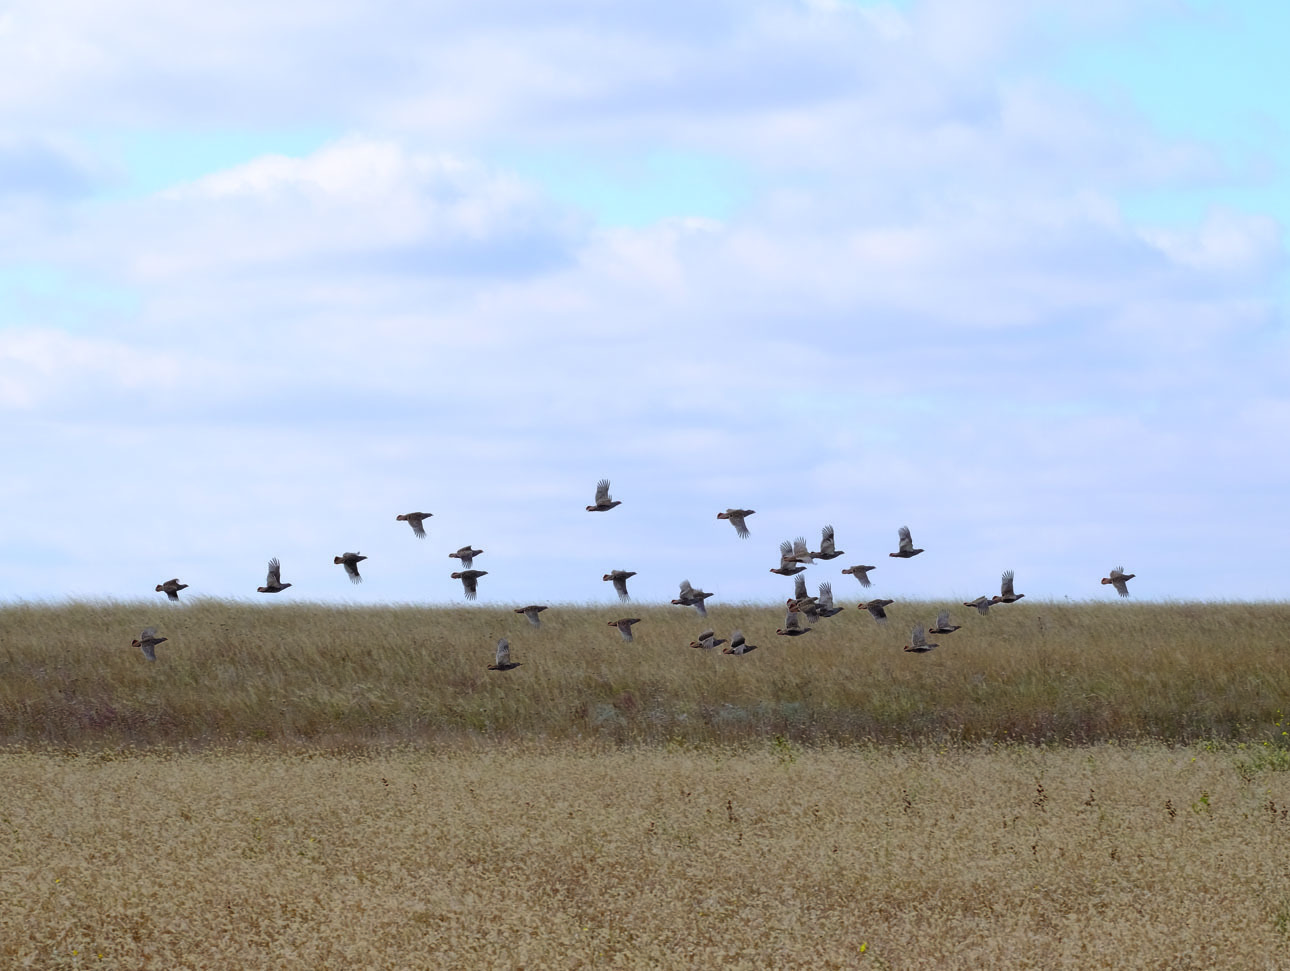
1013	274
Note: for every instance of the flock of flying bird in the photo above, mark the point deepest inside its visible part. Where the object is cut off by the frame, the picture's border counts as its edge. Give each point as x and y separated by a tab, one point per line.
794	557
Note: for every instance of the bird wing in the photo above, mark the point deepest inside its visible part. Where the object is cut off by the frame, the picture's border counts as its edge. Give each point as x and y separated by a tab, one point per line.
906	541
826	539
620	584
602	492
800	552
1006	584
736	517
503	652
825	599
275	573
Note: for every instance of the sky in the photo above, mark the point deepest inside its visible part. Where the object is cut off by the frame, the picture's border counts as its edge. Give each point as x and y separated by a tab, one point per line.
1011	274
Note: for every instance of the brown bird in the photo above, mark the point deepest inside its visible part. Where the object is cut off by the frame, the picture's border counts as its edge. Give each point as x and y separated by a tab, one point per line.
624	626
351	561
466	555
503	662
877	609
171	588
148	641
1118	579
531	612
824	603
619	578
470	581
738	645
788	565
737	517
918	642
801	552
793	625
827	552
906	545
861	573
415	520
1006	596
690	597
982	604
708	640
603	502
273	583
943	625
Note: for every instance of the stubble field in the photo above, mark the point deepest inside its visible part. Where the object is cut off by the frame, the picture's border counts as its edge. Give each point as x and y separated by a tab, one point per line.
1056	786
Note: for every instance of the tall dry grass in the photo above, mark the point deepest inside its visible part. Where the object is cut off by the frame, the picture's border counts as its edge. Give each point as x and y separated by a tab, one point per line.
506	855
353	678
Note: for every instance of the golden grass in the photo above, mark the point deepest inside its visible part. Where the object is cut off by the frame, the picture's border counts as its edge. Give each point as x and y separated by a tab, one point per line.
578	856
348	679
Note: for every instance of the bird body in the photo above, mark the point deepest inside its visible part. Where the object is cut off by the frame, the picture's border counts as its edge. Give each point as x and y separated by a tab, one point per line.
503	661
861	573
603	501
531	612
619	579
708	640
415	520
738	645
467	556
470	581
788	565
877	609
792	625
351	561
906	545
148	642
1006	594
624	626
918	642
827	552
690	597
737	517
273	582
943	625
1118	579
171	588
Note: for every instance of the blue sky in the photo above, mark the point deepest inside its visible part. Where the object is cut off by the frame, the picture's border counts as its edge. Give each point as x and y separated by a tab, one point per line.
1011	274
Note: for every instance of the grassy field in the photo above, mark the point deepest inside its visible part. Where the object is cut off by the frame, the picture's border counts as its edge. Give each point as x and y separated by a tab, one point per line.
510	855
349	679
293	786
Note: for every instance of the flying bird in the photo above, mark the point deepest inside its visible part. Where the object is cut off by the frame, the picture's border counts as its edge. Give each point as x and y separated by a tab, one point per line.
906	545
691	597
737	517
531	612
603	501
470	581
801	552
148	642
171	588
1006	595
503	662
415	520
943	625
827	552
918	642
877	609
861	573
619	578
273	583
792	625
982	604
1118	579
624	626
738	645
824	603
351	561
466	555
708	640
788	565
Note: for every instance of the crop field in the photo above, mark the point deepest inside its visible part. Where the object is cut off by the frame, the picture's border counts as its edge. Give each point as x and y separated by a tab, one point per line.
293	786
346	679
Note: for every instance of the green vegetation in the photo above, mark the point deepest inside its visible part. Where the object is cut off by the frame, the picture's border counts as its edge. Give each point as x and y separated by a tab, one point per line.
354	679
